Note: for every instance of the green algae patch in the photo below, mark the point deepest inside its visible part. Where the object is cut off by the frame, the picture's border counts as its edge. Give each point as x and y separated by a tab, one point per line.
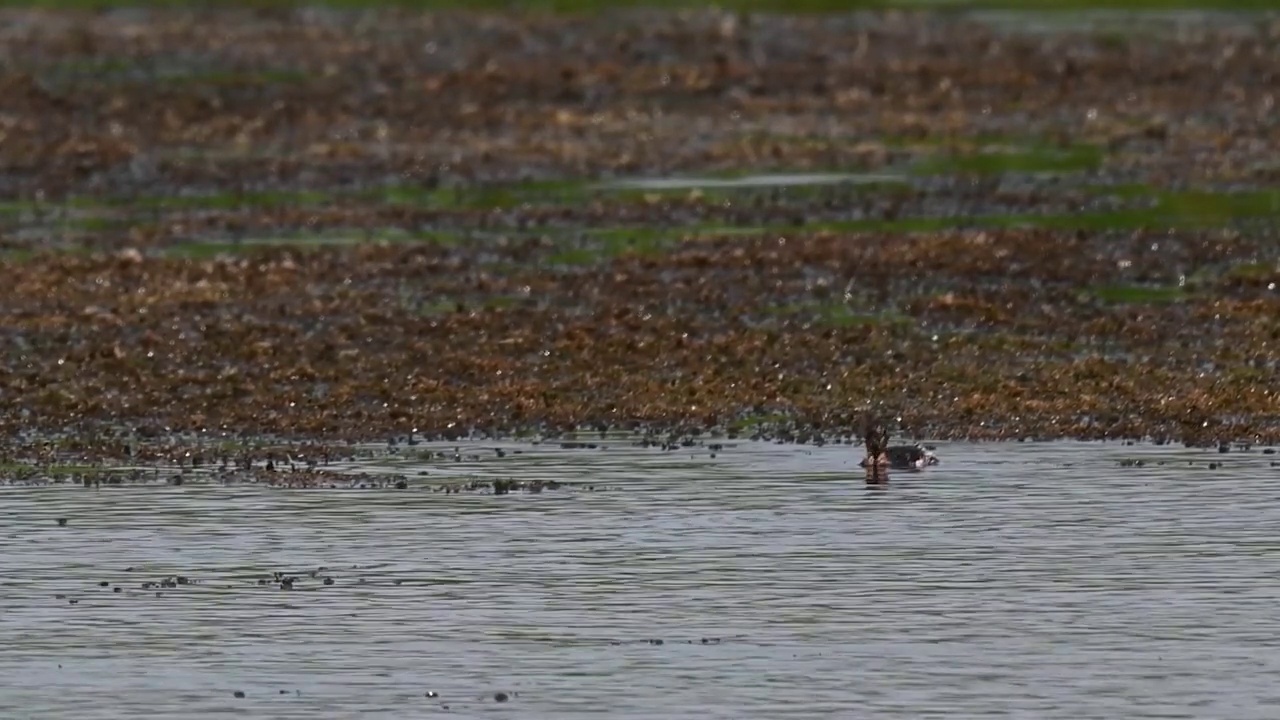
1251	272
1000	159
1211	209
219	201
16	255
1164	210
1190	210
605	244
839	315
19	255
751	181
213	248
1141	207
1138	294
582	256
1255	275
482	197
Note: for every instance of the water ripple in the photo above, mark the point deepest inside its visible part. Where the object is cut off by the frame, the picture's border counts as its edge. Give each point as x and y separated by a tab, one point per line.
1014	580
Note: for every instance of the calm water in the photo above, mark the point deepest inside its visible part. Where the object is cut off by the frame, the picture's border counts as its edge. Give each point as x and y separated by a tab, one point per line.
1020	581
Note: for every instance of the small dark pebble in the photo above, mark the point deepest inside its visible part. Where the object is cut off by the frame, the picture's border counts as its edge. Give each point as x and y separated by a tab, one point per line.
73	602
115	589
1268	451
284	692
1213	466
500	697
238	693
62	522
328	581
103	583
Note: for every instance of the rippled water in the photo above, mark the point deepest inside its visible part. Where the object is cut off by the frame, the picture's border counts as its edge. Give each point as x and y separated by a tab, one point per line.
1018	580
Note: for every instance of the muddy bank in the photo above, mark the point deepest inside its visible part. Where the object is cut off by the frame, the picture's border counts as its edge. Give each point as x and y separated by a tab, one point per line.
139	101
963	334
340	228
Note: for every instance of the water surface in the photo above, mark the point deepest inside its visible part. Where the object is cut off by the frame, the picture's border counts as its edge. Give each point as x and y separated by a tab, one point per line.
1014	580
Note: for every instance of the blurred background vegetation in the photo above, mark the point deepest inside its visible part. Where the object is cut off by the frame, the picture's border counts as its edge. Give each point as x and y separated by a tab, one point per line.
745	5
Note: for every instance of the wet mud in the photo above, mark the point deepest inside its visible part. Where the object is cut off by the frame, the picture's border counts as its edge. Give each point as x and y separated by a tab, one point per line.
331	227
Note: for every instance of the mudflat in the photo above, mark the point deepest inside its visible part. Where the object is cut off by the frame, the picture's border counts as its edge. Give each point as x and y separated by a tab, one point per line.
329	226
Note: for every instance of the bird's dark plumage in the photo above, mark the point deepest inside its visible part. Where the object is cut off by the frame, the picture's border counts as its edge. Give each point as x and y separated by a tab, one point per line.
880	454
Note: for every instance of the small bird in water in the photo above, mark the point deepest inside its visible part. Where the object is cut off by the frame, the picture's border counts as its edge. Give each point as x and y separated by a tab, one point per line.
881	455
910	457
876	437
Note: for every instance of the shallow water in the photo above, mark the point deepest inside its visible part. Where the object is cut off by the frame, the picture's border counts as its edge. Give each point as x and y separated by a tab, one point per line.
1014	580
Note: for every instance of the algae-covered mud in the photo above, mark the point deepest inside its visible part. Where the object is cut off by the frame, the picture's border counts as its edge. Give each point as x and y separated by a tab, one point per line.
261	235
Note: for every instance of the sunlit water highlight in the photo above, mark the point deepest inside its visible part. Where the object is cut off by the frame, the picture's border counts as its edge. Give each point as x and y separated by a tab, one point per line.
1014	580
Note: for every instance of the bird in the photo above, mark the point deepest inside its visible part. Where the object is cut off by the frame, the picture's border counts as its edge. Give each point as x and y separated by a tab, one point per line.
910	457
881	455
876	437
